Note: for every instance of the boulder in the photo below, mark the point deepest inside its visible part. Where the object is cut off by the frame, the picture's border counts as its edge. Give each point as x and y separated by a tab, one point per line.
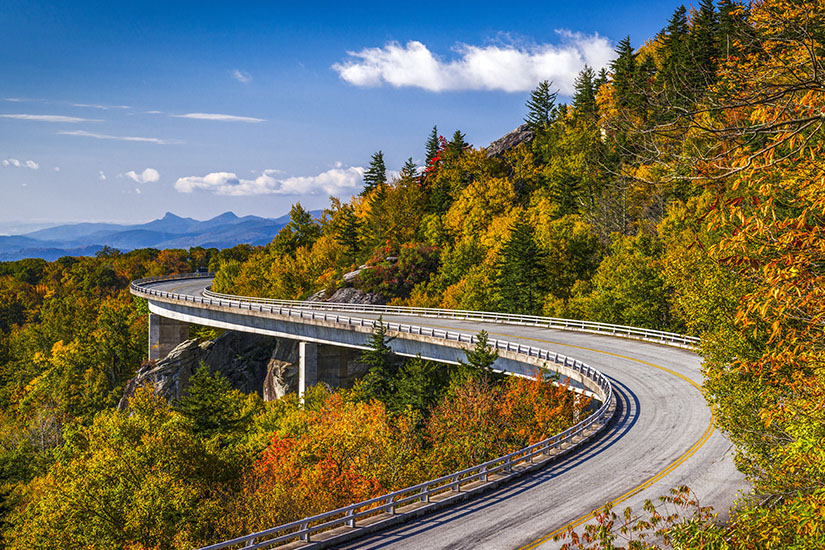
241	357
250	362
350	295
512	140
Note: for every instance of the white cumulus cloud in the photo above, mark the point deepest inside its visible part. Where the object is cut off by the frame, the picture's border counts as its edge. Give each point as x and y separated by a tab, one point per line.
51	118
102	176
508	67
21	164
220	117
241	76
336	181
150	175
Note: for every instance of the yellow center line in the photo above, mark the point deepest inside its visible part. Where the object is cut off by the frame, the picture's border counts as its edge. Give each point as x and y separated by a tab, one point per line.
690	452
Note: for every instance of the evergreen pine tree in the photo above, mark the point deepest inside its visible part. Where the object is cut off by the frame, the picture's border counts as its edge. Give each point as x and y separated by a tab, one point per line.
379	382
478	360
456	145
409	170
703	47
645	79
212	405
600	80
347	231
482	356
584	100
731	28
376	174
541	107
675	56
432	145
519	270
624	72
419	385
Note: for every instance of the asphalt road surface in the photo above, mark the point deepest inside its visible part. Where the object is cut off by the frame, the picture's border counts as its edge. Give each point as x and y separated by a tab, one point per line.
663	435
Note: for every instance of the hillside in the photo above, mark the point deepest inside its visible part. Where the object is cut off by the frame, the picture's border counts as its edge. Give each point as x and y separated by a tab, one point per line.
680	189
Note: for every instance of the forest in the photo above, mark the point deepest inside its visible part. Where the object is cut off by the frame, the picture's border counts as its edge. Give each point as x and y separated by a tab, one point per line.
680	189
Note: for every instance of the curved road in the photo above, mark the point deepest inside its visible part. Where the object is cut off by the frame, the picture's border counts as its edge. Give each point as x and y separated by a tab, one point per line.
662	436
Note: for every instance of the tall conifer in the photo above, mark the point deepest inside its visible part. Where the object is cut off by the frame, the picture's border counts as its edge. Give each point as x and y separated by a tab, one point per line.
519	270
376	174
541	107
584	100
457	144
432	145
624	72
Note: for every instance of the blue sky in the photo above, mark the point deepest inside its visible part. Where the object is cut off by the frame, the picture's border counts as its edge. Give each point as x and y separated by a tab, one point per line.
120	111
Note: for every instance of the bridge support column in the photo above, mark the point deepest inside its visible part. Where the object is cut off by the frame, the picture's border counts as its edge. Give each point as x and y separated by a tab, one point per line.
307	366
164	335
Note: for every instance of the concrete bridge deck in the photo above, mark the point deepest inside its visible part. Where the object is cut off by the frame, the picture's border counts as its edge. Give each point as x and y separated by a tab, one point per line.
663	435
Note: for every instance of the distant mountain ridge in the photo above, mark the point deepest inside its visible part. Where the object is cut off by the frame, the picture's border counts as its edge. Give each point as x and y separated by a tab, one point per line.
170	231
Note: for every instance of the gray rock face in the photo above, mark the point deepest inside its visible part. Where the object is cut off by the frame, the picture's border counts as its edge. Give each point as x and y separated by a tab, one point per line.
512	140
281	370
250	362
349	295
319	296
241	357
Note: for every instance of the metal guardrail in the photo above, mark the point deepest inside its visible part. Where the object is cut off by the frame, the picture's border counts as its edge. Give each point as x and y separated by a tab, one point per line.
668	338
423	492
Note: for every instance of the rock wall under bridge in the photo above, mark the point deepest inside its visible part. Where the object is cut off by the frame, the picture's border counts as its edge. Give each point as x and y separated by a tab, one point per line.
250	362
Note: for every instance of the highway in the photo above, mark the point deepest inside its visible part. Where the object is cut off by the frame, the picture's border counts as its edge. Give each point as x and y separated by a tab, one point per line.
663	435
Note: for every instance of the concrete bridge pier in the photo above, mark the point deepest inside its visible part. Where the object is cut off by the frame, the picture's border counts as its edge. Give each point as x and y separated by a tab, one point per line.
164	335
307	366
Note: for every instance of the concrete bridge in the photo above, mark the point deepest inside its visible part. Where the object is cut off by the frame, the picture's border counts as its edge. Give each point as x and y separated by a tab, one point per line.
660	431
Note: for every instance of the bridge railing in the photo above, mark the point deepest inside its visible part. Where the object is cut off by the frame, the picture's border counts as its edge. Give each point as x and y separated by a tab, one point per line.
303	529
659	336
668	338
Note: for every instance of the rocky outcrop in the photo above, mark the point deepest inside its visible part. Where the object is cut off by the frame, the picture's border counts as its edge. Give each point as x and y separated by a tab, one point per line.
242	358
350	295
512	140
250	362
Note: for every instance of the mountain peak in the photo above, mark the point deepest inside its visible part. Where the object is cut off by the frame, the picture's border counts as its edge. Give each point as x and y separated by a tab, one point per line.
170	216
229	215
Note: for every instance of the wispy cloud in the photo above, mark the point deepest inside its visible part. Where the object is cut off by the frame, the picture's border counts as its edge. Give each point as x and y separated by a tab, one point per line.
102	176
241	76
332	182
220	117
150	175
101	107
84	133
21	164
51	118
507	67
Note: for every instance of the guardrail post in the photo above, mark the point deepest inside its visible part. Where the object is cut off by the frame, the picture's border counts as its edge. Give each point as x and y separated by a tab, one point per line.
425	494
351	517
304	533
